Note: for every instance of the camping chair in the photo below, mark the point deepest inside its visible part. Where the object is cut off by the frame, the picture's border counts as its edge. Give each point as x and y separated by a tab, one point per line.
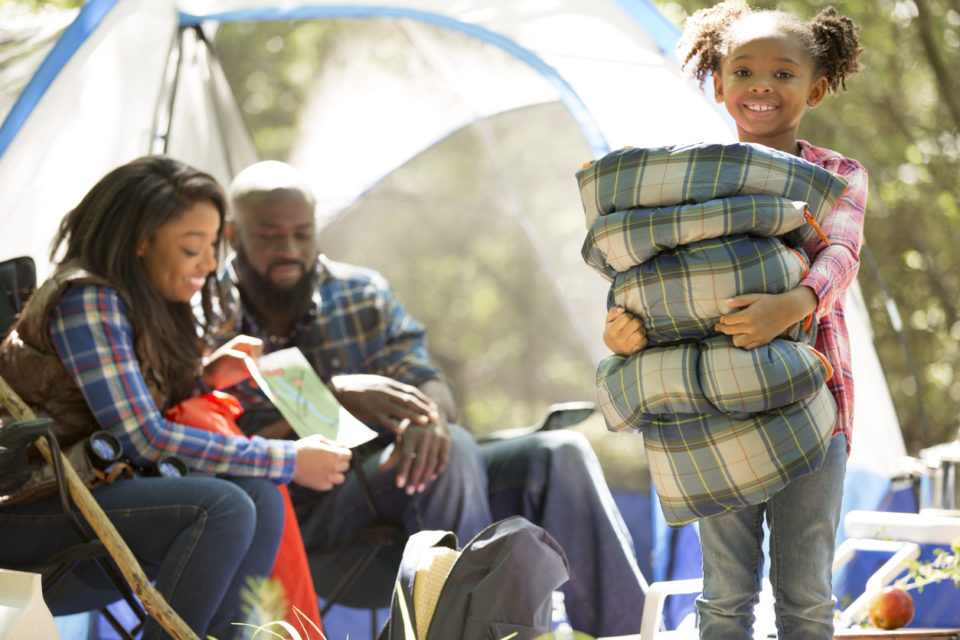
14	441
18	280
899	534
360	574
106	548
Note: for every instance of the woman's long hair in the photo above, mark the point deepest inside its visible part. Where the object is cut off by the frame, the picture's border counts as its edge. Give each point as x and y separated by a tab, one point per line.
103	235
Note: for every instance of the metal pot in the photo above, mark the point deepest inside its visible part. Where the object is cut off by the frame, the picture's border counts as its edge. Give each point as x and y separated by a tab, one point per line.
940	490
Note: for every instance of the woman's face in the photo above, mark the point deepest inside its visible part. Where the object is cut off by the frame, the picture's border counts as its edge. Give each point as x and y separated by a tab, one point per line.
179	255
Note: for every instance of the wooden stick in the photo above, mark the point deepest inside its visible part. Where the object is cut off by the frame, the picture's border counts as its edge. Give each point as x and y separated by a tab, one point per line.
154	603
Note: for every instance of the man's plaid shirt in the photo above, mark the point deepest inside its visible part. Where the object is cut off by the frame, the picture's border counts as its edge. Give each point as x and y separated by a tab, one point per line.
354	324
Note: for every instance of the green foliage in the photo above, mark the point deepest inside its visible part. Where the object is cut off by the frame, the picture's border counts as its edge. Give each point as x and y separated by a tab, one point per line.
263	600
944	566
42	4
269	66
901	119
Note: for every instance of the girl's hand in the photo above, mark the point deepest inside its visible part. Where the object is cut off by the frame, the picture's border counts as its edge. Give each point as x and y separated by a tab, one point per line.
763	316
231	363
320	463
623	332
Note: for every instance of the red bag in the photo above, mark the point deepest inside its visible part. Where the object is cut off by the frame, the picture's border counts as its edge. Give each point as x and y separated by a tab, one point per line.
217	412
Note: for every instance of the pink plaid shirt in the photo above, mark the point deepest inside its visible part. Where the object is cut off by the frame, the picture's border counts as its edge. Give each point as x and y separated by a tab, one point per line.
833	270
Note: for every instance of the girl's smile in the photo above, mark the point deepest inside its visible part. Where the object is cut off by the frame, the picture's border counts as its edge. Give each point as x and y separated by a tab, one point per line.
767	82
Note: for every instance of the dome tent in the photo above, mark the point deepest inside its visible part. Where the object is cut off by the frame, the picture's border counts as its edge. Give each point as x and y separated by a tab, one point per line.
130	77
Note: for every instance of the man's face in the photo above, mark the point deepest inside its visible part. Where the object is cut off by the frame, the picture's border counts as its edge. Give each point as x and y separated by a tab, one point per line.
278	239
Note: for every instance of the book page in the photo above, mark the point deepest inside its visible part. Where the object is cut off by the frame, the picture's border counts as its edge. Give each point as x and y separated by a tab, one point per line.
302	398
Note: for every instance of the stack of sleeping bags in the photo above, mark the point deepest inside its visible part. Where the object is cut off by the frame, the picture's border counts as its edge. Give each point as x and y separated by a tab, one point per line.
679	230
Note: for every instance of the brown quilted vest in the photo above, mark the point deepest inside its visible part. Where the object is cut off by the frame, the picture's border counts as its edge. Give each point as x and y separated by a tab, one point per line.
30	365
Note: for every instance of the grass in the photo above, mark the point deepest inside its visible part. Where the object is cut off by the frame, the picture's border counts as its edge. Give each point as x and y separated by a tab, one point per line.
264	602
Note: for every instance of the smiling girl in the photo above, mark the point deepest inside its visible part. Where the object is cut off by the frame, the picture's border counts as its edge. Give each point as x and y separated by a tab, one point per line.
769	68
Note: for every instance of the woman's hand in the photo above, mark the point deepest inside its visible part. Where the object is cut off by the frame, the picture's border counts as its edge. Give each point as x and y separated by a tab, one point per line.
232	362
320	464
623	332
764	316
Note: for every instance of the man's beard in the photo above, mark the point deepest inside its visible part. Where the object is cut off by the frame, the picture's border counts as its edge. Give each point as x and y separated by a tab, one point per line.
264	296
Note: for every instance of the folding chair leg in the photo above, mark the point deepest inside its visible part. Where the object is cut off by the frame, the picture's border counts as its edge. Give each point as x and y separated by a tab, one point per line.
152	601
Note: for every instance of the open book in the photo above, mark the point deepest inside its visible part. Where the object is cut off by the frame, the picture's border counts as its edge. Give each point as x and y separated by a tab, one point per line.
287	378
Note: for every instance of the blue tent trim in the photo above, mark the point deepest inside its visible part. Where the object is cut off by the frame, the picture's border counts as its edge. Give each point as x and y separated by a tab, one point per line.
584	119
89	18
663	32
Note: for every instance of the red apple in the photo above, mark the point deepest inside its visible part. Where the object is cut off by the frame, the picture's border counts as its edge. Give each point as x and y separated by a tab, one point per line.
892	609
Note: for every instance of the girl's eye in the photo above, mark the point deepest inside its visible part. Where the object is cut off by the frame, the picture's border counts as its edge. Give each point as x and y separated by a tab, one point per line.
783	75
741	73
189	253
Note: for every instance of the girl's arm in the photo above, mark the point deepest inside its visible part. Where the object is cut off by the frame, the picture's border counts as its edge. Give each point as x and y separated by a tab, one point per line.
623	332
93	336
833	269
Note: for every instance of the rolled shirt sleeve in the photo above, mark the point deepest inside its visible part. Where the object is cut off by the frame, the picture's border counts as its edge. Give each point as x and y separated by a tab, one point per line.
92	333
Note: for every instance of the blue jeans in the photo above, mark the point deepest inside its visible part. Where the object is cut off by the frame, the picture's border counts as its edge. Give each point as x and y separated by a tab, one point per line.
456	501
802	518
553	479
197	538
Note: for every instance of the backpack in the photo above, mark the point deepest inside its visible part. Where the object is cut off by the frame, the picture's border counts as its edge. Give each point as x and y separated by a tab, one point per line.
500	583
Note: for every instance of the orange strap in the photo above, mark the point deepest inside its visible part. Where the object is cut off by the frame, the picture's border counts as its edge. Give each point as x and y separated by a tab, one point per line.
816	227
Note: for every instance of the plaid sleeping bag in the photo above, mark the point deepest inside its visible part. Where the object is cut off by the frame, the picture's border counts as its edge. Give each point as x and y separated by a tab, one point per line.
677	231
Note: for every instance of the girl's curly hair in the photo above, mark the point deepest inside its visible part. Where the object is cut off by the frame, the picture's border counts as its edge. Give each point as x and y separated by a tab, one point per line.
830	39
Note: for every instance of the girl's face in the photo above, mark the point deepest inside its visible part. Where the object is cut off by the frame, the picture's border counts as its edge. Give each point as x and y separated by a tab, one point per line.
767	82
179	255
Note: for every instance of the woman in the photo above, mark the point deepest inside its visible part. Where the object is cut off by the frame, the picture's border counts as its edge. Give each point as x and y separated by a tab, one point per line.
109	342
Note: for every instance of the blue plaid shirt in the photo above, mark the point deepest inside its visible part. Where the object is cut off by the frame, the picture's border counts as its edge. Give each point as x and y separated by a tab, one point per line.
92	331
354	324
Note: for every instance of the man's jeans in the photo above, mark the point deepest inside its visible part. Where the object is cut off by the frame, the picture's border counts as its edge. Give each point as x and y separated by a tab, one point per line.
803	519
551	478
197	538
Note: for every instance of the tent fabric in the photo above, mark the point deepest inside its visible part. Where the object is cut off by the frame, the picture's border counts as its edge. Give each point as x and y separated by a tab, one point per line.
91	95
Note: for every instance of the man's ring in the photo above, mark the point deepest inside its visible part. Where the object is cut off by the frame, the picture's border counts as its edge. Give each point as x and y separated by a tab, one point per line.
412	454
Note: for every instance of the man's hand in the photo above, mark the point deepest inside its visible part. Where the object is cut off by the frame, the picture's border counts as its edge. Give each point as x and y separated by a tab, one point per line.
421	454
231	363
320	463
623	332
764	316
384	401
422	449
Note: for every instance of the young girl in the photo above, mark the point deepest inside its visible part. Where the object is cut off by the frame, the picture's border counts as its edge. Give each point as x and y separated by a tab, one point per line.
768	68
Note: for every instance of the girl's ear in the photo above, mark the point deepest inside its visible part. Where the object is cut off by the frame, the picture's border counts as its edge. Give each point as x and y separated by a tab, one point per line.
817	92
717	87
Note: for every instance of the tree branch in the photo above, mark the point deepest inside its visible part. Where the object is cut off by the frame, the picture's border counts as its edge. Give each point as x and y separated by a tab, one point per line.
936	61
